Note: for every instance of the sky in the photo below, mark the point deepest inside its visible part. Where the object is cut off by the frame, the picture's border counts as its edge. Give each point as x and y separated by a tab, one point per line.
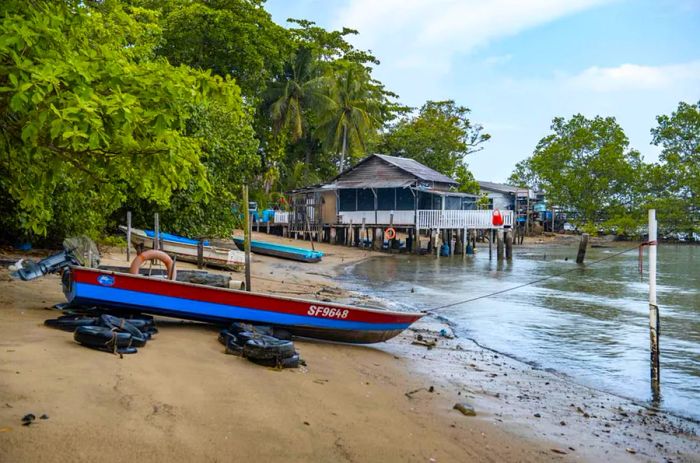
517	64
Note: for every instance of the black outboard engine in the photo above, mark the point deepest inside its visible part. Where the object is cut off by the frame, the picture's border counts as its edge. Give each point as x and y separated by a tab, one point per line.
28	270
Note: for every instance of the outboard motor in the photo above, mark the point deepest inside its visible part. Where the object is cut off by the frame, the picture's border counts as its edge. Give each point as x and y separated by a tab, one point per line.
28	270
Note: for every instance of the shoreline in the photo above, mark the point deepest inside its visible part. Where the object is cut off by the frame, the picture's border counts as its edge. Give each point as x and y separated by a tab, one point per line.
352	403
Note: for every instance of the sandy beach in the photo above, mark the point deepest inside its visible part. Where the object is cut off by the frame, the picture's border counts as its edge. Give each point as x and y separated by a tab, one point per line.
182	399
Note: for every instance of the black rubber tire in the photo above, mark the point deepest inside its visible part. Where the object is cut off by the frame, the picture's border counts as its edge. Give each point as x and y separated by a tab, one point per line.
232	348
121	324
281	333
225	336
290	362
240	327
70	322
244	336
102	338
268	349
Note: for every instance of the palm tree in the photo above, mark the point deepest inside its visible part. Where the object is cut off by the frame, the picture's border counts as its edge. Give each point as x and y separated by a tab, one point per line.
287	99
349	111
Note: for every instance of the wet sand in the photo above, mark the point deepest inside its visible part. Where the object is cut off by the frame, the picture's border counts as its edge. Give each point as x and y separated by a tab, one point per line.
181	399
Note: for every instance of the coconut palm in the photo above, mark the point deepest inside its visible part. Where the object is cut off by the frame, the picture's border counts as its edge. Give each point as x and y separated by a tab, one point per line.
349	110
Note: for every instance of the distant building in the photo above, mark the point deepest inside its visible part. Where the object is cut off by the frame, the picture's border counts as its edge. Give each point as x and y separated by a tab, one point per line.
528	205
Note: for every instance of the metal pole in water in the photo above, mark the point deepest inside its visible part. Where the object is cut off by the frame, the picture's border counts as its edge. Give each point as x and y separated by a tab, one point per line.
653	310
247	230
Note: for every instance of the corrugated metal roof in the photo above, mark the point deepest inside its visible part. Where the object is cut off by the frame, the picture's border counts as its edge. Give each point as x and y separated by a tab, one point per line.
374	183
416	168
499	187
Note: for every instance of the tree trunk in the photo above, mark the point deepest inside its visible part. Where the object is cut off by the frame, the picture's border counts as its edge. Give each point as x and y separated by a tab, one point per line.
345	143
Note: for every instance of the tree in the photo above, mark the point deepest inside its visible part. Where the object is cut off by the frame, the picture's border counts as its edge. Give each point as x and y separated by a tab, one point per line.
227	37
676	186
86	122
586	167
352	110
439	136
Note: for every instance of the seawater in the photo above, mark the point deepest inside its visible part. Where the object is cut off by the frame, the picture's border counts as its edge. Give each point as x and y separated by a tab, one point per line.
591	323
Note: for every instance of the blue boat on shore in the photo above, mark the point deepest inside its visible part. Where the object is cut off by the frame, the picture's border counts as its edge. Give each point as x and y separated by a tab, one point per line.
282	251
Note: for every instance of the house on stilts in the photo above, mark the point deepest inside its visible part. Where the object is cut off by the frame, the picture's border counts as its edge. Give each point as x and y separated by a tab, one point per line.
382	192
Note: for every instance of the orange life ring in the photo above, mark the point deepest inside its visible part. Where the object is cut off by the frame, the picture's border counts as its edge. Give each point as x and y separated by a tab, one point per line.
389	234
153	254
497	219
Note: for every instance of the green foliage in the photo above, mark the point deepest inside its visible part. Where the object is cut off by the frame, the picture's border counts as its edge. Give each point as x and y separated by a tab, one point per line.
585	167
439	136
228	37
675	183
86	124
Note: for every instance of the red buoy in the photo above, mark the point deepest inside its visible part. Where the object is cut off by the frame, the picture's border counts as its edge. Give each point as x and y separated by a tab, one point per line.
497	219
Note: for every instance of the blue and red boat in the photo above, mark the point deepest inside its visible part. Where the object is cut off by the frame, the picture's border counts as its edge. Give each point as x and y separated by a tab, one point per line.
157	296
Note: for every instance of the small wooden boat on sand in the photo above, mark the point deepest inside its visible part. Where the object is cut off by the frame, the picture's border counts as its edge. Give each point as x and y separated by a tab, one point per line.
280	250
186	249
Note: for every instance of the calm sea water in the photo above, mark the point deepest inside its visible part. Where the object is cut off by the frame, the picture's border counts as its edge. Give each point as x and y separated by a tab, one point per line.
591	324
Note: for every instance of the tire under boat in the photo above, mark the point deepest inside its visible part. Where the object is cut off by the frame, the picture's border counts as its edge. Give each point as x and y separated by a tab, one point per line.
308	318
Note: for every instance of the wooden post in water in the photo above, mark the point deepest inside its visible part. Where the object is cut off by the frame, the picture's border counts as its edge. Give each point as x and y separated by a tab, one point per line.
499	244
582	249
437	243
654	311
128	236
509	244
491	235
247	231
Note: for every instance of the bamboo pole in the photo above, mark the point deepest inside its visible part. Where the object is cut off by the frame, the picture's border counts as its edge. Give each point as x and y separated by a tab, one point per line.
247	231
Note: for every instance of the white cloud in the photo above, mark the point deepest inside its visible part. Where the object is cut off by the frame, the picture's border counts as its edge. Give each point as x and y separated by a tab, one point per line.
409	33
499	60
627	77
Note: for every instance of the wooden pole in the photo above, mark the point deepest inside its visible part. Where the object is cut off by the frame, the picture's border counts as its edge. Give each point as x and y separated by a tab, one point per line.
499	244
128	236
509	244
491	235
156	232
200	254
653	311
247	231
437	243
582	249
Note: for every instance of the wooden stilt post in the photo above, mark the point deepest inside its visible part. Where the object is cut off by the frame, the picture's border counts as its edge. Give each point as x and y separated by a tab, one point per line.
437	243
491	236
378	239
654	333
499	244
247	231
582	249
509	244
128	236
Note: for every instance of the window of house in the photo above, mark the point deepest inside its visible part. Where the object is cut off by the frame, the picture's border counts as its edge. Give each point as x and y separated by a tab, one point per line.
347	200
386	199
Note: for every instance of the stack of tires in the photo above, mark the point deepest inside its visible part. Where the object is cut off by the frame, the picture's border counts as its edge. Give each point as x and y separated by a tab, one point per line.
107	332
263	345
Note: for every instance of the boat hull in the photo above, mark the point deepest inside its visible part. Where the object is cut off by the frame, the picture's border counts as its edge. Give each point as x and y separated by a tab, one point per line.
321	320
281	251
229	259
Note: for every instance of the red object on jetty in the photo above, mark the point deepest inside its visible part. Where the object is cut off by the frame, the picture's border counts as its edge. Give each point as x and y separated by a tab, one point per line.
497	219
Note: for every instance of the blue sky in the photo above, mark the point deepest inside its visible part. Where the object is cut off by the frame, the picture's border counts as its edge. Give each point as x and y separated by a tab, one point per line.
519	63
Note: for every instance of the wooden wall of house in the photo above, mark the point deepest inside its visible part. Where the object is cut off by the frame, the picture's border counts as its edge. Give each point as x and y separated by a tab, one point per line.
328	207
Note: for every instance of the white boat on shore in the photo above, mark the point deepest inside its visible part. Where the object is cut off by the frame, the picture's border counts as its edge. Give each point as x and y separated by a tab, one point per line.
185	249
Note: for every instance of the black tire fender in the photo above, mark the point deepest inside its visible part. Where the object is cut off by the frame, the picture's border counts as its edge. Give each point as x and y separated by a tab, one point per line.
268	349
102	338
70	322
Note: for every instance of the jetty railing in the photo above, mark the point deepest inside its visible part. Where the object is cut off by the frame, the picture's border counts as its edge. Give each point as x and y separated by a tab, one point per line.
281	217
461	219
427	218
